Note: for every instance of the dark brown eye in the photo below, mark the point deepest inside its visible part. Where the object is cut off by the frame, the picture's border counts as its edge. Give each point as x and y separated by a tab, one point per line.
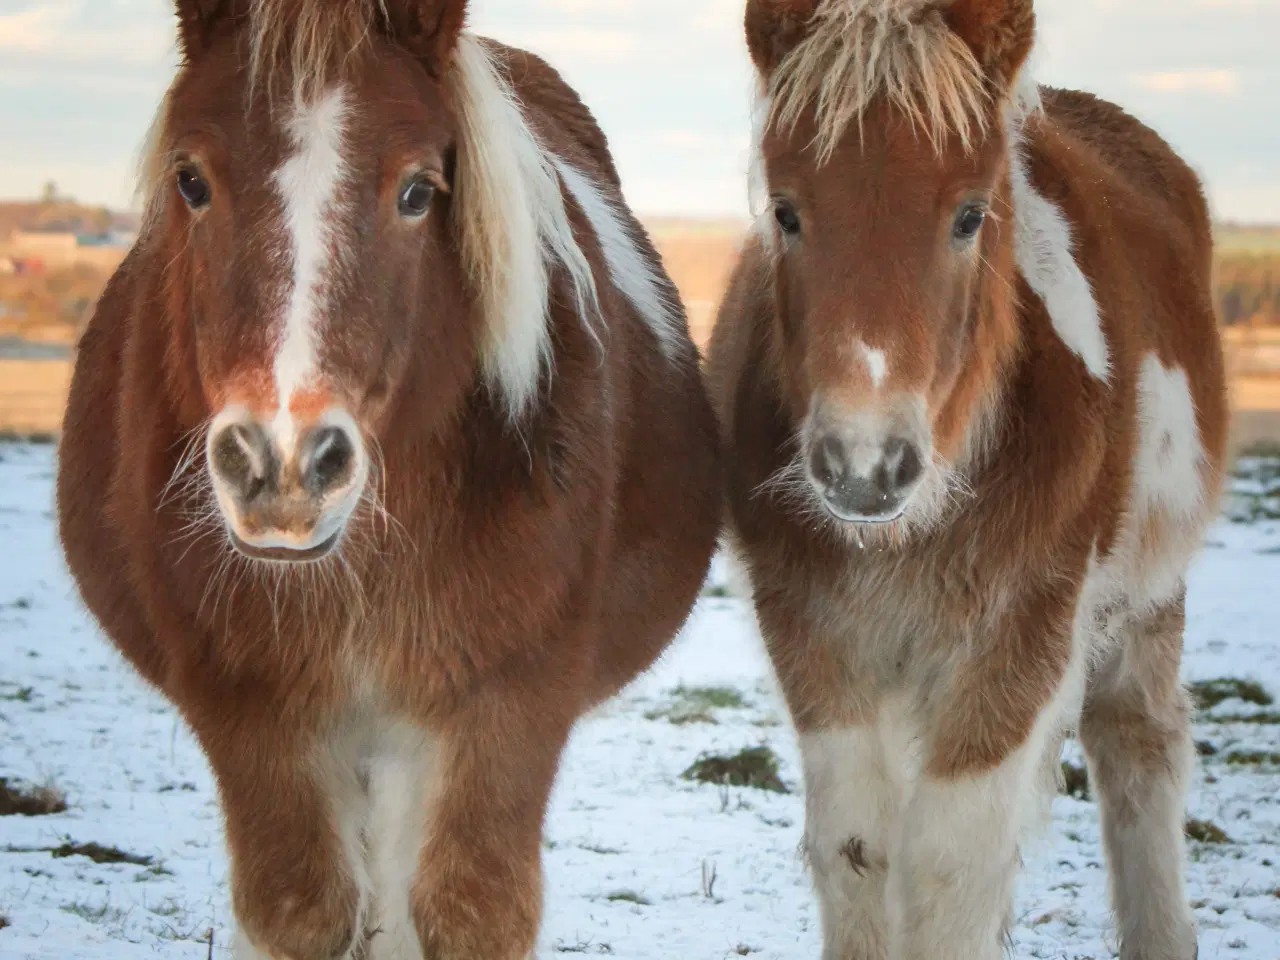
788	219
415	198
194	188
968	222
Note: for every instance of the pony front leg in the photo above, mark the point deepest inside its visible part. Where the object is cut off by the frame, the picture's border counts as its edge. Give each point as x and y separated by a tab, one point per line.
953	865
852	798
478	892
956	851
291	830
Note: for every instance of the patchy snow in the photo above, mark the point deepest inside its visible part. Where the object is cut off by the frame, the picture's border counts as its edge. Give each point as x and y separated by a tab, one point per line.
631	847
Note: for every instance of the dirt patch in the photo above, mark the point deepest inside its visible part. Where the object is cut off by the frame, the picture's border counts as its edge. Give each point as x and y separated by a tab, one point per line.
1075	781
755	767
25	800
99	854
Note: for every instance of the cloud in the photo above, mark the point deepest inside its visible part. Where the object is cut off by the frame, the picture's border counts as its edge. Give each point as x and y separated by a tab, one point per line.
1224	82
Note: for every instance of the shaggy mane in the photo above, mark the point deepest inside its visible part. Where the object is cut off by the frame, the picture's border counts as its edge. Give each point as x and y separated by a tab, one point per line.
857	50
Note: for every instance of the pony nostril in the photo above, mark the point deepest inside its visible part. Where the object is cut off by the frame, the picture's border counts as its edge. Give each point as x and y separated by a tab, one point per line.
828	462
902	466
328	458
241	457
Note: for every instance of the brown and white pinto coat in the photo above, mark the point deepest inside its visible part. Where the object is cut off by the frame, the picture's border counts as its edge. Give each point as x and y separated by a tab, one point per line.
972	393
387	457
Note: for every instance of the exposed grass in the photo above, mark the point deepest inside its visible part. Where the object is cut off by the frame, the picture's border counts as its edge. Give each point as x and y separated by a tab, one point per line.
1262	717
1205	749
99	854
629	896
598	849
4	921
583	946
742	950
1262	450
28	800
102	913
718	591
1206	831
755	767
1253	758
38	438
697	704
1207	694
1075	781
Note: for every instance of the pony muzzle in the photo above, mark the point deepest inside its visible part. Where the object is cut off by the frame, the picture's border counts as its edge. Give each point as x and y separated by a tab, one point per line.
286	492
865	469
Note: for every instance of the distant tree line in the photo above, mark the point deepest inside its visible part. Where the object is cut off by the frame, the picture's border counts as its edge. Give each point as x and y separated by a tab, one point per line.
1248	288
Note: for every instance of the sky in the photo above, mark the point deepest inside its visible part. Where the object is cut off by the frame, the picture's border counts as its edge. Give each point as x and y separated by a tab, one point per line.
669	81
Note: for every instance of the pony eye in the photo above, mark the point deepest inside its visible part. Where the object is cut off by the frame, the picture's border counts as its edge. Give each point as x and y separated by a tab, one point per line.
968	222
194	188
415	198
788	219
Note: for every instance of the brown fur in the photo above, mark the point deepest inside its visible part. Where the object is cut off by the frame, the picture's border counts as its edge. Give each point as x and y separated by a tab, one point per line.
971	613
518	574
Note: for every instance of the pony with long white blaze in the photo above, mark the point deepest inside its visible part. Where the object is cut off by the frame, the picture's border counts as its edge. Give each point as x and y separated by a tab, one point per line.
972	392
387	458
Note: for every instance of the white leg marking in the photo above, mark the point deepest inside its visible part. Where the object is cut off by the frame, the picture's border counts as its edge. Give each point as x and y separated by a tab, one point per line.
308	184
631	271
856	783
877	364
400	785
1043	246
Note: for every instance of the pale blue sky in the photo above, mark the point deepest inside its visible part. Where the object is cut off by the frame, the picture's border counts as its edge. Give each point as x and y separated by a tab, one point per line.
669	81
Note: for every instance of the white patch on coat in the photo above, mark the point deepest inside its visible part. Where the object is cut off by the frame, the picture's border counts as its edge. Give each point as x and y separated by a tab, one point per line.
1142	572
633	273
308	184
1170	457
1043	246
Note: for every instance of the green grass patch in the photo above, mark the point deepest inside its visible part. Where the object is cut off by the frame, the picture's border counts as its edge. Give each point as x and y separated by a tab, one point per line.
628	896
1206	831
755	767
687	705
1253	758
1207	694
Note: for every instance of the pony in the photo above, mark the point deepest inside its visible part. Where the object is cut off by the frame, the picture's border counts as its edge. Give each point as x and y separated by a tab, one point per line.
974	414
387	457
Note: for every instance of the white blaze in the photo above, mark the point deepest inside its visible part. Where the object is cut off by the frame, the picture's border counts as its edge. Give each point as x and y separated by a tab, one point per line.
308	184
877	364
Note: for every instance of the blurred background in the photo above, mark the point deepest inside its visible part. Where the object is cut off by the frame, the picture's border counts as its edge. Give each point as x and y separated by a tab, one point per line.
670	83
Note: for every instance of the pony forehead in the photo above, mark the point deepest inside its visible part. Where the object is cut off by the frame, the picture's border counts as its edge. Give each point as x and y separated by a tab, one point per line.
854	51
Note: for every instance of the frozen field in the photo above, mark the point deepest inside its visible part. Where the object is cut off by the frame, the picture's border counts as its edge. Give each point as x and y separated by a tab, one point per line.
641	864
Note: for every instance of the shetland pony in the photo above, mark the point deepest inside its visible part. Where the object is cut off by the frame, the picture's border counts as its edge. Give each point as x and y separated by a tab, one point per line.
972	393
387	457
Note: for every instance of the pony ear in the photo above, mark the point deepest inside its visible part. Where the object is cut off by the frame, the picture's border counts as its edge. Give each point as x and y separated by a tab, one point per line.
774	27
198	20
1000	33
428	29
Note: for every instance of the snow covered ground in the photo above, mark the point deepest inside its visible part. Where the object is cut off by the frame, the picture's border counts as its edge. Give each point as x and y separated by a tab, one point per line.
641	864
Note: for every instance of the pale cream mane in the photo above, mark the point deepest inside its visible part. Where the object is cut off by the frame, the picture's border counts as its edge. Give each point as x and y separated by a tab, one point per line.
509	211
857	50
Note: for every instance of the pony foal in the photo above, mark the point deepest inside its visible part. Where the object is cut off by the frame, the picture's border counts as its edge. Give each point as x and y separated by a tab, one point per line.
972	393
387	457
